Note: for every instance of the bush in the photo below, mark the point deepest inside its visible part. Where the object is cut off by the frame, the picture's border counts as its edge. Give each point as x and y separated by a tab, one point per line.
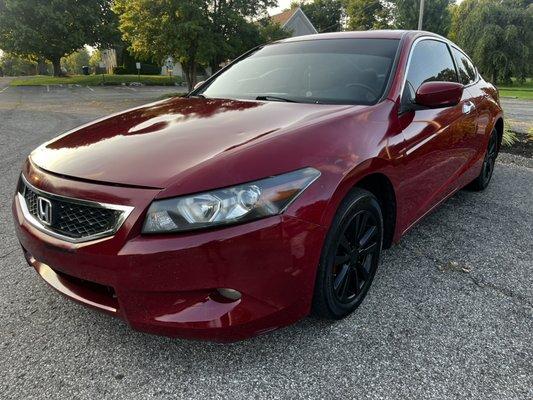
150	69
509	137
120	70
146	69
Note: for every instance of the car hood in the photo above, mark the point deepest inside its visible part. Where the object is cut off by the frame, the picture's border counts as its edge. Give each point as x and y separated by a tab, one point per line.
150	145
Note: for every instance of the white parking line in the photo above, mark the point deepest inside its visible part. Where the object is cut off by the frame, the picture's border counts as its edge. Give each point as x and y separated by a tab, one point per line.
4	89
47	88
90	88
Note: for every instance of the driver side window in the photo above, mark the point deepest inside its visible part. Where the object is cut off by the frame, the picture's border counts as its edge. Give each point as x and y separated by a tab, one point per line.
430	61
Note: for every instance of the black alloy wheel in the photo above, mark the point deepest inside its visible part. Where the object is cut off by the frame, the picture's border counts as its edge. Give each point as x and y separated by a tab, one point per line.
490	158
350	256
487	169
356	247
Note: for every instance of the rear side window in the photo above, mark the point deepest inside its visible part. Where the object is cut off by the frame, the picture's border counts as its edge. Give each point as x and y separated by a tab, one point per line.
467	71
430	61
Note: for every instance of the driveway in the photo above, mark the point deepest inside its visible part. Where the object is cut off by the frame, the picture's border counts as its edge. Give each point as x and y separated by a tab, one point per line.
450	314
4	83
518	114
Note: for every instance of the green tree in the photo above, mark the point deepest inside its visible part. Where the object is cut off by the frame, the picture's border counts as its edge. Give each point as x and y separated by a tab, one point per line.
325	15
162	28
437	17
497	34
94	59
73	62
13	65
232	31
368	14
193	32
270	32
53	29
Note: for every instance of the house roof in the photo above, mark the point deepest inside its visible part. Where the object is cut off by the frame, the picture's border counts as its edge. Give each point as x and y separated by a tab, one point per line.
285	16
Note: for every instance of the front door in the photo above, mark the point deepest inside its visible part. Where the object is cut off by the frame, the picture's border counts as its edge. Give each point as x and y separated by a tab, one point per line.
436	150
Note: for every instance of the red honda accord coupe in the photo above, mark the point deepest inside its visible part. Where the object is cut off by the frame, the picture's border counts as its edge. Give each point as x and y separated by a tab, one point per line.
268	192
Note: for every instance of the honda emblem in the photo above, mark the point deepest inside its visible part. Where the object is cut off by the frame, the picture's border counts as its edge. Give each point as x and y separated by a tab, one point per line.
44	210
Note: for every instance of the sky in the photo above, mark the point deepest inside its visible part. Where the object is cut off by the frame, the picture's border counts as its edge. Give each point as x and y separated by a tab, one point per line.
282	4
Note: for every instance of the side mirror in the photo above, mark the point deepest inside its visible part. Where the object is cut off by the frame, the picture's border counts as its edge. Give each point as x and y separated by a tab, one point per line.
198	85
439	94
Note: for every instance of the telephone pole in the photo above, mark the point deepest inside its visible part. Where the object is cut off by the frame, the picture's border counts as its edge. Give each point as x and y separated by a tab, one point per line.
421	15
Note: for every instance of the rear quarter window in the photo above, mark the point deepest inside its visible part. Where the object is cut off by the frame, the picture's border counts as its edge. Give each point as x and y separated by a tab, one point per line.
467	71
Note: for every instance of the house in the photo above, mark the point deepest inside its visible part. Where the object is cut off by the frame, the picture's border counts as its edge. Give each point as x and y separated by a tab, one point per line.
175	68
295	21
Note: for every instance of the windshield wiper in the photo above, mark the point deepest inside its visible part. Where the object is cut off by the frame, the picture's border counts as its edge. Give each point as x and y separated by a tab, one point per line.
275	98
201	96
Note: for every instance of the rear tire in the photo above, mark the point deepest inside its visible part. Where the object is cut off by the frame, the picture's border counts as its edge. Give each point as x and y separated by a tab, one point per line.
484	177
350	256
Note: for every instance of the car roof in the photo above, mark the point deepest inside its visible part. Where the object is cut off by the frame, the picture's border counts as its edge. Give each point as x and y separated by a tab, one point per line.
371	34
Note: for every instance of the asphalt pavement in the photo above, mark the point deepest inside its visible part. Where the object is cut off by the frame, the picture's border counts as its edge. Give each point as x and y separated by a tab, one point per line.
450	313
518	114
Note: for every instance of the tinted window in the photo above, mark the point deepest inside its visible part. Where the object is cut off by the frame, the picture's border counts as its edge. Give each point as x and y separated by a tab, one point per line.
467	72
430	61
345	71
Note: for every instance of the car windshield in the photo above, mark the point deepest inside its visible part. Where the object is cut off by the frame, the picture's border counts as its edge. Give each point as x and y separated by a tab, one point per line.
329	71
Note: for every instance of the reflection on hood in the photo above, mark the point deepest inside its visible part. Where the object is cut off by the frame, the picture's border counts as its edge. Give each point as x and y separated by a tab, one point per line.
151	119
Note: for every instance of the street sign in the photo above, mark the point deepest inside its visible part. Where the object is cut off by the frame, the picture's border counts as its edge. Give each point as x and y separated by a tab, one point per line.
102	66
138	65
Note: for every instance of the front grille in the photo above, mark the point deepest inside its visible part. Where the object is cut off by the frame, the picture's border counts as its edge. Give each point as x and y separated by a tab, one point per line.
70	218
79	221
31	201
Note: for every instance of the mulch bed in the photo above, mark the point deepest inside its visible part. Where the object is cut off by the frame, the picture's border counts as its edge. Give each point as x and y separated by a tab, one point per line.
522	147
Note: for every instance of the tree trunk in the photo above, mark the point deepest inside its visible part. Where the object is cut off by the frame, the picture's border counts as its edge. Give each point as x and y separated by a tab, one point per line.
193	75
188	77
215	64
41	67
56	63
190	74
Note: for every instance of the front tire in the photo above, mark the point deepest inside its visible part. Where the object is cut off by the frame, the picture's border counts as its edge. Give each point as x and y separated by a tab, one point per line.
350	256
484	177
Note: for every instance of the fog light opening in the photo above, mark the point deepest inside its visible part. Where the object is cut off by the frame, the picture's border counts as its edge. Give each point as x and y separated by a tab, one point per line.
230	294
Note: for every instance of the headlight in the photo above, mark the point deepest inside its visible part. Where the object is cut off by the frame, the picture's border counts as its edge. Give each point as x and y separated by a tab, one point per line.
241	203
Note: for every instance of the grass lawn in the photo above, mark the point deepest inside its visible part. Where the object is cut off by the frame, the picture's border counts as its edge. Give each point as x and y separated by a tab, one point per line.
95	80
523	92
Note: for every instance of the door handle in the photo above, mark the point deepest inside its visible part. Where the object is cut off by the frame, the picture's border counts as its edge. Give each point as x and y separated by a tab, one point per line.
468	107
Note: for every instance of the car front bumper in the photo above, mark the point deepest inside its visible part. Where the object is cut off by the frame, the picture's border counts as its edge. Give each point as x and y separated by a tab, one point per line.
167	284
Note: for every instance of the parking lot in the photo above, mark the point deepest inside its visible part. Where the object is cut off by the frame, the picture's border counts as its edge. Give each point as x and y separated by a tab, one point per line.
450	313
